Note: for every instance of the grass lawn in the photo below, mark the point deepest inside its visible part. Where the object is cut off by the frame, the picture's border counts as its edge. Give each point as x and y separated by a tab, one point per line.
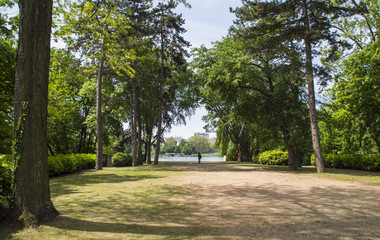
116	203
137	203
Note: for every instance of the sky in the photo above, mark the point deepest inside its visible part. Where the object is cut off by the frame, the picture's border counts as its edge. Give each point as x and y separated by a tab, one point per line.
207	21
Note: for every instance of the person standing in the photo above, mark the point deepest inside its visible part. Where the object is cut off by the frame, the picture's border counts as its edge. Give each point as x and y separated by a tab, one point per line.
199	157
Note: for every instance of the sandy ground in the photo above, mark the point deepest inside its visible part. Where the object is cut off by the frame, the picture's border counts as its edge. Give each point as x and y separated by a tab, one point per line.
240	202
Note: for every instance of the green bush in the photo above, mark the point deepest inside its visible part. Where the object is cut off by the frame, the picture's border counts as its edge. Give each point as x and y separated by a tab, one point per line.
6	178
274	157
355	162
232	154
62	164
59	164
121	160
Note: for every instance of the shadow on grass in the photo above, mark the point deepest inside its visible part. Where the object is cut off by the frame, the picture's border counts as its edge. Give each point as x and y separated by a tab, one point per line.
64	185
71	224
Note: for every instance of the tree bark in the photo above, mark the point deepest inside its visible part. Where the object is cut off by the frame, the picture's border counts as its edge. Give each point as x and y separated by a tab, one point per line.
134	125
312	108
148	145
99	120
139	129
32	203
291	158
161	99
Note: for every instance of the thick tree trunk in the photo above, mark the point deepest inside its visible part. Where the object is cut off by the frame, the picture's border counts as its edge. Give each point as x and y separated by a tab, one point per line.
99	120
298	158
312	106
32	203
291	158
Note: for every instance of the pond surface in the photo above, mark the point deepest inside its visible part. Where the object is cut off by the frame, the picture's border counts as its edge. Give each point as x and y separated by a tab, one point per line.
190	159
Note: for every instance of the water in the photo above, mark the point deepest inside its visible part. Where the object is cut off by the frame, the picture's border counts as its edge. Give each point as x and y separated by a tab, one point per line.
190	159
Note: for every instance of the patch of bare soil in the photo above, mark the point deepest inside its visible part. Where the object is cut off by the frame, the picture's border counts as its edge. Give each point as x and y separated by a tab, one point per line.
240	202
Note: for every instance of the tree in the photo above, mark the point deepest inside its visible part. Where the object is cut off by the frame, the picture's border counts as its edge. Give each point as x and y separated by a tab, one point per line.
32	203
170	42
200	143
356	91
303	24
8	52
248	89
67	110
7	66
350	113
98	28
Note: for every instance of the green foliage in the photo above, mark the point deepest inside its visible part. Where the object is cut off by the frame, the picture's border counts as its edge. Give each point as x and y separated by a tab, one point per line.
200	143
188	149
274	157
7	75
6	180
355	162
122	160
63	164
60	164
232	153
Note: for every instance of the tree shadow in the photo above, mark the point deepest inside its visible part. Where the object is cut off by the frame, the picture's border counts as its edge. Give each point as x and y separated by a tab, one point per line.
68	223
64	185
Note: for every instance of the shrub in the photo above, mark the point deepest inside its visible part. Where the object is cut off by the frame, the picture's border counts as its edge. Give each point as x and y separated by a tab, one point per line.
274	157
59	164
355	162
70	163
232	154
121	160
6	178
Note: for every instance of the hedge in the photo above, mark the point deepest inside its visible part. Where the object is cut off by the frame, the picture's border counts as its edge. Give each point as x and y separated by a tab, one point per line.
62	164
274	157
355	162
122	160
58	165
6	174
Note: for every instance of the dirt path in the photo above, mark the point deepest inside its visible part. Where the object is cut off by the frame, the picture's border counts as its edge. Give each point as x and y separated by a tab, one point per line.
239	202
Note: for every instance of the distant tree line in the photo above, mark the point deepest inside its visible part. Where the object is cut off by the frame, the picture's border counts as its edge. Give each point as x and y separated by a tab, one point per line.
193	145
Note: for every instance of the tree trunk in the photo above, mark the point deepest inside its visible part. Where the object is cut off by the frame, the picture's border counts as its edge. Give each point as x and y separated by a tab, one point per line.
239	157
99	120
148	145
298	158
139	127
161	99
312	108
134	128
291	158
32	203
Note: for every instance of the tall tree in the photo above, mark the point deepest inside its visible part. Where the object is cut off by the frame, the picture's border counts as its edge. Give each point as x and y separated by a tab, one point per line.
96	28
303	24
246	86
32	202
170	42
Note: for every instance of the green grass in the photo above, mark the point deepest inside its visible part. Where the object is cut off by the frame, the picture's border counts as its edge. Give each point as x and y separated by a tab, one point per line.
330	173
116	203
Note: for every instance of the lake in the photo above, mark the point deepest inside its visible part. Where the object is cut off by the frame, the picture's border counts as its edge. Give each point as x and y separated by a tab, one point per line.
190	159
